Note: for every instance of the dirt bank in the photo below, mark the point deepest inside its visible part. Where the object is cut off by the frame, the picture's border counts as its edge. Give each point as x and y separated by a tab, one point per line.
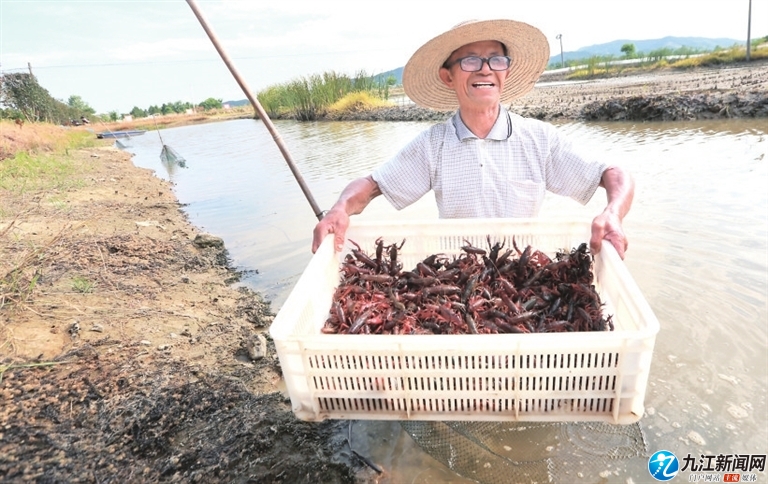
732	91
127	354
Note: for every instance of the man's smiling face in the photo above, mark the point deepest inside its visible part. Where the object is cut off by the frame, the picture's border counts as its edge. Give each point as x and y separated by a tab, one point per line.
481	89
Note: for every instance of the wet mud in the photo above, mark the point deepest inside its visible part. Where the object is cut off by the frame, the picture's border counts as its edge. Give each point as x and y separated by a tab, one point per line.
120	419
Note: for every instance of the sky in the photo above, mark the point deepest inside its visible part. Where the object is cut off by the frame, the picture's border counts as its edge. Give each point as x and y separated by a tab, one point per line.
124	53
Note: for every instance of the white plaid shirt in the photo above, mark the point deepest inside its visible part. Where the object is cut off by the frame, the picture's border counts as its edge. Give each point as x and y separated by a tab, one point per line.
504	175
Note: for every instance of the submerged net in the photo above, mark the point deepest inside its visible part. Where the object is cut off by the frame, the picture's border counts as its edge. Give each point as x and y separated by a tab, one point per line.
170	156
535	452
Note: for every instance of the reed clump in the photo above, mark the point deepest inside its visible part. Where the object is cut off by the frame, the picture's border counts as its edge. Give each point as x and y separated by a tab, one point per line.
311	97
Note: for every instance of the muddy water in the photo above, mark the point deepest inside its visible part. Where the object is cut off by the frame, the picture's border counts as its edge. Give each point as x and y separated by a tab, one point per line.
698	250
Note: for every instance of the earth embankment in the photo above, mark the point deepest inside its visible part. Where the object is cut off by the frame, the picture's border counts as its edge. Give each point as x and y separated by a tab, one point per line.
731	91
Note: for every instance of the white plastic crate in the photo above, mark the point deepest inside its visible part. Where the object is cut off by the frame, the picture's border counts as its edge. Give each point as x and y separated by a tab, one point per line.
582	376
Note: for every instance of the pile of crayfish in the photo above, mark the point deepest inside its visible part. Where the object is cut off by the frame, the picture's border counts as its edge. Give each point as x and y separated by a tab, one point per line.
477	292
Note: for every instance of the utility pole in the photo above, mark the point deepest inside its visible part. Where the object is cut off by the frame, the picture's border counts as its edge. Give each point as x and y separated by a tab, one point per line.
749	28
560	38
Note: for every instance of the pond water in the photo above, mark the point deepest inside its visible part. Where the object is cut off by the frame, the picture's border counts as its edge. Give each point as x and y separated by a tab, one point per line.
698	234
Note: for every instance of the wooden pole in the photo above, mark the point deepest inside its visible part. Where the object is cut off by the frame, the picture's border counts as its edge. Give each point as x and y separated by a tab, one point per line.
749	29
259	110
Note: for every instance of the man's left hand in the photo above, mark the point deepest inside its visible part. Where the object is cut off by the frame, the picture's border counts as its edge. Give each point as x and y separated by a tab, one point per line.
607	226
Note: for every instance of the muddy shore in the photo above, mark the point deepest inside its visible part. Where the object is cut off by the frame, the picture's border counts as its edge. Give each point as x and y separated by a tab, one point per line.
135	357
127	351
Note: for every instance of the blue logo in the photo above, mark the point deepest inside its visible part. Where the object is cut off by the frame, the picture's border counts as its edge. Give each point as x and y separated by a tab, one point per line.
663	465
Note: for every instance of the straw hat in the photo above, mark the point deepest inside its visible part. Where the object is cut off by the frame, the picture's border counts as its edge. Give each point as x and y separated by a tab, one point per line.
526	45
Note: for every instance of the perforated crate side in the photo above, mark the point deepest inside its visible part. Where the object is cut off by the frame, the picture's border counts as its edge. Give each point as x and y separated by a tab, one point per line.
537	377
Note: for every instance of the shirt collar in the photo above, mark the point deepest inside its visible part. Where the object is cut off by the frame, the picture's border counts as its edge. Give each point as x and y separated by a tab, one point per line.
499	131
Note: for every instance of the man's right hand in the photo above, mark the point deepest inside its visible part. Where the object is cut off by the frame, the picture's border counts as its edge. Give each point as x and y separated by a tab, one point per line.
334	222
355	197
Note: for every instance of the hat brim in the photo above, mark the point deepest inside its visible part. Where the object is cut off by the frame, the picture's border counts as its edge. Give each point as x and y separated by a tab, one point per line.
526	46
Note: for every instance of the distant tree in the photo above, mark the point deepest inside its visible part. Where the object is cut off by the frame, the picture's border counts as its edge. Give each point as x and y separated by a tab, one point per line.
154	110
137	112
180	107
684	50
114	115
21	92
175	107
211	103
82	107
759	41
659	54
628	50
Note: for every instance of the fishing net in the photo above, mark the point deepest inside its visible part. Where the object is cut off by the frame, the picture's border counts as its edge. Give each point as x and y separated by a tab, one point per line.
170	156
523	452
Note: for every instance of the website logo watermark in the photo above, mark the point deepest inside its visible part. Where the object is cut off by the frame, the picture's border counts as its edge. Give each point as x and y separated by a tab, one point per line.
664	466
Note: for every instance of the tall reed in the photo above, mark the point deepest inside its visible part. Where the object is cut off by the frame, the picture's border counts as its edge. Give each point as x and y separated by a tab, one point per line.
308	98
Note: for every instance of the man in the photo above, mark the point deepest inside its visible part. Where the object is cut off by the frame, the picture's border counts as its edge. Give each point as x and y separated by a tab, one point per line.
484	161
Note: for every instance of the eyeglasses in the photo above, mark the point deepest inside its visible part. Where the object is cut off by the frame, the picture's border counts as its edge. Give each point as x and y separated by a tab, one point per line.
474	63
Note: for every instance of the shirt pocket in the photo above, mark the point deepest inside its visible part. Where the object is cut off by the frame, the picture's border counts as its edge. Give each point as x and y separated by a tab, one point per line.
524	198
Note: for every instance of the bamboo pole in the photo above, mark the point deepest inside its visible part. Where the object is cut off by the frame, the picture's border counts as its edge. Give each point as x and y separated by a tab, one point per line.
749	30
259	110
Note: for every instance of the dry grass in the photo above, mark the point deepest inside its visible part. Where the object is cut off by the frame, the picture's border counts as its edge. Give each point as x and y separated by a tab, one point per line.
34	138
355	102
20	271
723	57
33	157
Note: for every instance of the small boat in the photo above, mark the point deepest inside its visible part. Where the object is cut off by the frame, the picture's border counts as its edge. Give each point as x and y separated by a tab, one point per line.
120	134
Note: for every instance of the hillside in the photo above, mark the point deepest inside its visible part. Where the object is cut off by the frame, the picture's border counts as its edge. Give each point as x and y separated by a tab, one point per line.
614	48
672	43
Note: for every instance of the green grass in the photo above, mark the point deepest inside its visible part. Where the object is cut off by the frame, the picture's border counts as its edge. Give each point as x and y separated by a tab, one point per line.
17	286
45	169
31	172
76	140
20	273
82	285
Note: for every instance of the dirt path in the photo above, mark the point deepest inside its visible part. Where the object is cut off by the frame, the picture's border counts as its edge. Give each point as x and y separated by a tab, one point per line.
134	359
